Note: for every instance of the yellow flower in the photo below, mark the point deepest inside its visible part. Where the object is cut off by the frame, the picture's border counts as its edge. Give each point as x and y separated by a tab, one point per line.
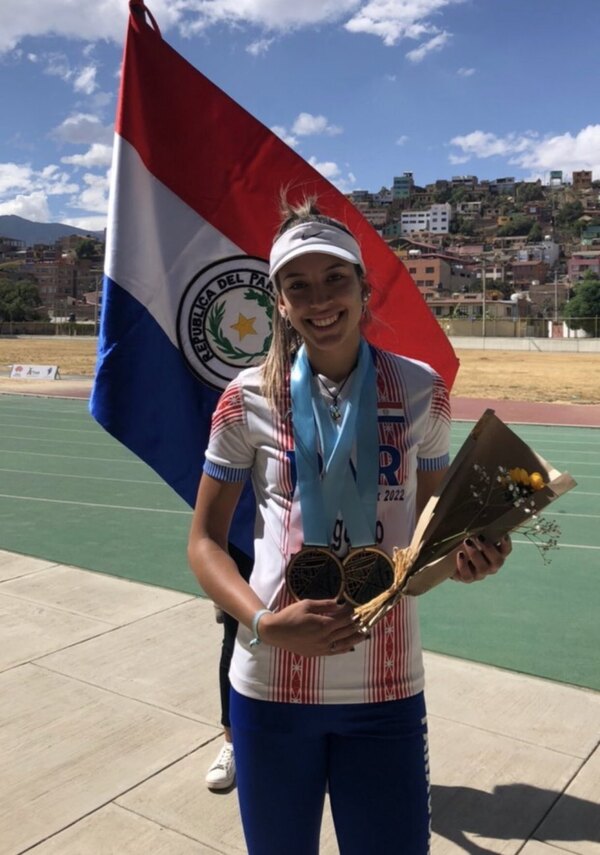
536	481
519	476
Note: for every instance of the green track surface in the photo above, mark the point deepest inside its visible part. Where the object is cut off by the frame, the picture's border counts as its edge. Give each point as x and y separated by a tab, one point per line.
70	493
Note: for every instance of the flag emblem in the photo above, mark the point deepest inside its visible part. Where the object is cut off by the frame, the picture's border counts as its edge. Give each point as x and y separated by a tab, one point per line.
224	321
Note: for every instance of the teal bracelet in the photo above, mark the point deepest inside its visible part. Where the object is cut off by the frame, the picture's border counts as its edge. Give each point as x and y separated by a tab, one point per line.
256	640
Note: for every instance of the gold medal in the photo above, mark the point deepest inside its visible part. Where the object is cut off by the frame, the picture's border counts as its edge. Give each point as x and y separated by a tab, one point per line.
315	573
369	571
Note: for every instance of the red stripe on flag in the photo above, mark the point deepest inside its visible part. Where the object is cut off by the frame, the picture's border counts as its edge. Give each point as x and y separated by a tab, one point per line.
230	168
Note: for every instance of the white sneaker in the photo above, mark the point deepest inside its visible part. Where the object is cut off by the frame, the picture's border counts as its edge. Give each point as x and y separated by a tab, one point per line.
221	774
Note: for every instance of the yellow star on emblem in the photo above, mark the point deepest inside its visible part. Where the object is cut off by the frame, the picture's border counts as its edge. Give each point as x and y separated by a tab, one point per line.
244	326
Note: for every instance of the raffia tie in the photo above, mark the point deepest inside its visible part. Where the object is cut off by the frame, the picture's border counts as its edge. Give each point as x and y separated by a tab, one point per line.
368	614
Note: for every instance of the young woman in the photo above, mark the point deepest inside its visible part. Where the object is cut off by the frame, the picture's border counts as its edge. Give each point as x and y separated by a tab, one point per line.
344	444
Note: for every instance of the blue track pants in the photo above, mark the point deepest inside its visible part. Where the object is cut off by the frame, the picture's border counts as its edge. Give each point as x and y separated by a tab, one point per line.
373	759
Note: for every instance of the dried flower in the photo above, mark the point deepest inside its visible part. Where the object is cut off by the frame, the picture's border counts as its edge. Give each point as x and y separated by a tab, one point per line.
480	495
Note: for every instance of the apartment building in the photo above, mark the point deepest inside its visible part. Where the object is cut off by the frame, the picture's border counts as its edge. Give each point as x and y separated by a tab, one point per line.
11	248
431	273
582	180
580	262
526	272
503	186
435	220
403	186
546	250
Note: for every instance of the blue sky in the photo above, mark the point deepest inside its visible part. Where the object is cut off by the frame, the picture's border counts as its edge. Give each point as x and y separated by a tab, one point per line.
364	90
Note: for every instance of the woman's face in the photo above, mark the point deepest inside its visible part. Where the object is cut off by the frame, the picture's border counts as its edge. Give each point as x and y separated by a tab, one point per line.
322	297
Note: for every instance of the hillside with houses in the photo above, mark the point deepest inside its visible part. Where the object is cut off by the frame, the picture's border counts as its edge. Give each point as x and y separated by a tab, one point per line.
485	255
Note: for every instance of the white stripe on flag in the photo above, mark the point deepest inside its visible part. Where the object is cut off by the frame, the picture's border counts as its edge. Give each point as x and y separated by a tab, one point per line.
156	243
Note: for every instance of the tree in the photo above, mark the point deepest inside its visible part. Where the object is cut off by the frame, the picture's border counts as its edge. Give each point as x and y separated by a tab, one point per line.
518	225
19	300
535	234
568	213
584	307
86	249
527	192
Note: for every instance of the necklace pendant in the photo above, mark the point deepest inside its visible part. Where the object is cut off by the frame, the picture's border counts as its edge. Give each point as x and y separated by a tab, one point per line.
335	412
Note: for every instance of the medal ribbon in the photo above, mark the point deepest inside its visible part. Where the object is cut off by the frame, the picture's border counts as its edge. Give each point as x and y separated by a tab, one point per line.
335	489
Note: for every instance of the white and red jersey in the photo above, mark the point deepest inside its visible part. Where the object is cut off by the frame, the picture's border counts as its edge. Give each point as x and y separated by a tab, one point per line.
250	437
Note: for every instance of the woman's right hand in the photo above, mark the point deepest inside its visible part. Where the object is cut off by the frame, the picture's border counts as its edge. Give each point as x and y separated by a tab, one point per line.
312	628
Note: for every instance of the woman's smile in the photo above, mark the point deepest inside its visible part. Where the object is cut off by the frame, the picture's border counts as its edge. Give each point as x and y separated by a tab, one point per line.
325	322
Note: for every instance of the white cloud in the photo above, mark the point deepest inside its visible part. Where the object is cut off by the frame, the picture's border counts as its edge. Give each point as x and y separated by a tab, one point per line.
82	79
562	151
97	155
88	22
90	224
390	20
94	197
567	152
306	125
84	129
466	72
435	43
259	47
14	176
271	15
85	80
394	20
284	135
31	206
482	144
51	180
25	191
401	140
57	65
57	183
332	172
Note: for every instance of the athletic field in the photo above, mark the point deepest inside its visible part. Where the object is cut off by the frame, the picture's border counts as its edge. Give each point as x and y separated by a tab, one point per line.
71	494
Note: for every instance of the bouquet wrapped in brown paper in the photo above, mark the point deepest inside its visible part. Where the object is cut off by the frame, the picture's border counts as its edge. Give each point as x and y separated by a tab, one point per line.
495	484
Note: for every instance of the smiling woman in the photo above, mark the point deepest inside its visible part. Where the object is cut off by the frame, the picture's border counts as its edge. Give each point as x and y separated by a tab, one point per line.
324	428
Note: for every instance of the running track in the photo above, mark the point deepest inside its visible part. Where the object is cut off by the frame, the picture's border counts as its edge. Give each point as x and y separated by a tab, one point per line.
467	409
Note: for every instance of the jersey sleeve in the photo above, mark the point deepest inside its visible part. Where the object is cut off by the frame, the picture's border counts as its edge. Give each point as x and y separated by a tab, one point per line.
434	450
229	455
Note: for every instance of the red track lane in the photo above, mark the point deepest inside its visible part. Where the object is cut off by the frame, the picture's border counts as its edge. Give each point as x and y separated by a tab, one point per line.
468	409
524	412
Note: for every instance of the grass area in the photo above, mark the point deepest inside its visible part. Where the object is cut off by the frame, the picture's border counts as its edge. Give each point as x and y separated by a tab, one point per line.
497	374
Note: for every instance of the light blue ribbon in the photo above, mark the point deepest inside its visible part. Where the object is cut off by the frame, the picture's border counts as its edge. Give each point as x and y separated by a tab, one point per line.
338	487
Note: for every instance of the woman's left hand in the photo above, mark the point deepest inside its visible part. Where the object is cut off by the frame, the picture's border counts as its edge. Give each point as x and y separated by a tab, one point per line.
478	558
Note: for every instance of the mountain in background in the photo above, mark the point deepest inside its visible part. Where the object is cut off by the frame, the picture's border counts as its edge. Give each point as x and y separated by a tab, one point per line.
18	228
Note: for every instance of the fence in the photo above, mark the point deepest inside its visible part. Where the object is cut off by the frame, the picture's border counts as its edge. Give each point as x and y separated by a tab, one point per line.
74	328
561	328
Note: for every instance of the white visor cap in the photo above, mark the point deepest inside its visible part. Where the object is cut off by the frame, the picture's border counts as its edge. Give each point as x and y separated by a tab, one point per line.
313	237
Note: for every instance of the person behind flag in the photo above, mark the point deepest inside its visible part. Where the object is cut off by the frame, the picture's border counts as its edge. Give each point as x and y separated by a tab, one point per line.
344	444
220	775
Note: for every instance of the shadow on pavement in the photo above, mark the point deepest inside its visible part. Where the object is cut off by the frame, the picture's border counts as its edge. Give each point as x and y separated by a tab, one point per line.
510	812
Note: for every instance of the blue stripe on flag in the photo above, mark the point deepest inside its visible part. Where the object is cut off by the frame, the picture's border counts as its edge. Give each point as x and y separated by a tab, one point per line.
147	398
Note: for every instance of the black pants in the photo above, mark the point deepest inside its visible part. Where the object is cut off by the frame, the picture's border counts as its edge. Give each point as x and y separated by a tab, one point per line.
230	627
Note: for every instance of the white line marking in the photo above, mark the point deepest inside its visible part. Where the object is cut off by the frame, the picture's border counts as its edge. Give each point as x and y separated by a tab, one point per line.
157	483
560	545
72	457
61	441
95	429
546	513
94	505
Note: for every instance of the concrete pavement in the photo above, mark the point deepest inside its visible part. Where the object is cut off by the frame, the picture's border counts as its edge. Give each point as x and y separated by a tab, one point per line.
109	718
